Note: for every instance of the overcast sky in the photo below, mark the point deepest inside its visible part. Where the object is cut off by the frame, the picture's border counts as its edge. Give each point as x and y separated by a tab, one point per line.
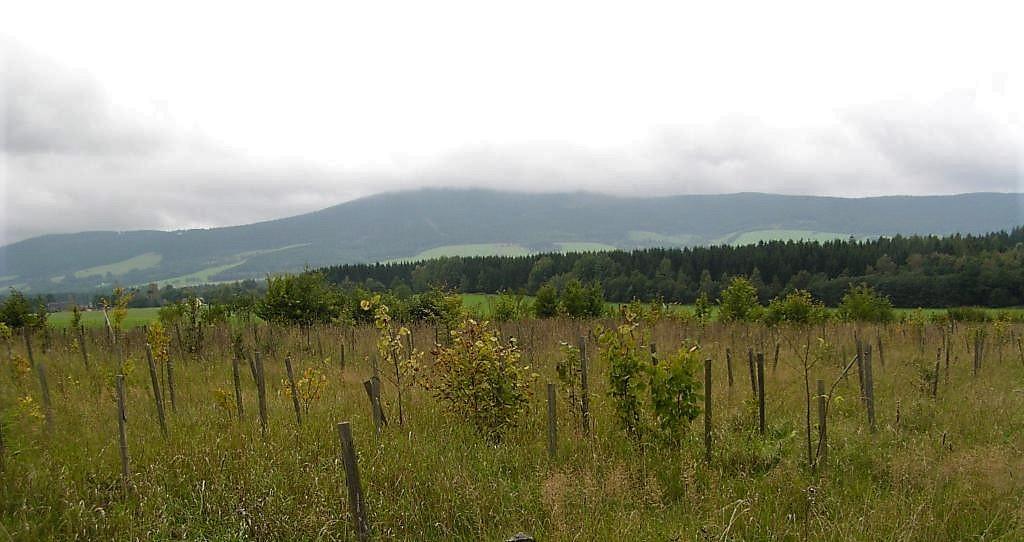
201	114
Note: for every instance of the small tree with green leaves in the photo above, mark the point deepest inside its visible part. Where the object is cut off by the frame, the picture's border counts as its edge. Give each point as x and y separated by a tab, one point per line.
545	303
702	309
656	400
479	378
392	348
509	306
739	301
862	303
798	307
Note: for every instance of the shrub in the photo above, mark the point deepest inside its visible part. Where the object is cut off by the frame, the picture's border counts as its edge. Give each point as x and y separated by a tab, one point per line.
658	400
798	307
16	311
739	301
303	299
582	301
510	306
967	314
702	309
862	303
479	378
545	304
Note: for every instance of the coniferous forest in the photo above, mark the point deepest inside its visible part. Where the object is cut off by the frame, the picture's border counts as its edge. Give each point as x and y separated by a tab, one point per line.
913	271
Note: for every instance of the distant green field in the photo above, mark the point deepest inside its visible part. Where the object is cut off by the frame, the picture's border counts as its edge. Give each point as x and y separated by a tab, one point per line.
754	237
142	261
199	277
135	318
485	249
583	247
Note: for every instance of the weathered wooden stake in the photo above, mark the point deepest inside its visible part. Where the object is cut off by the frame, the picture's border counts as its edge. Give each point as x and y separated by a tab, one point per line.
122	420
238	385
45	390
372	386
170	384
860	372
157	398
869	383
707	410
728	365
295	392
753	372
654	354
28	345
760	393
822	425
584	387
81	346
881	352
356	503
552	423
261	389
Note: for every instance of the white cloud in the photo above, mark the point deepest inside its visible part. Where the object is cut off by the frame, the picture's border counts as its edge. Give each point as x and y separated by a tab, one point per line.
119	117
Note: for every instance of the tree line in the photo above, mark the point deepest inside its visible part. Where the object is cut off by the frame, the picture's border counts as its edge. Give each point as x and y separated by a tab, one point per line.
912	271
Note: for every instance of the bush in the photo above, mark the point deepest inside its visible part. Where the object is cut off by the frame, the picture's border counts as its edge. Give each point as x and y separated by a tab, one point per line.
861	303
798	307
658	400
510	306
480	379
545	305
582	301
303	299
967	314
16	312
739	301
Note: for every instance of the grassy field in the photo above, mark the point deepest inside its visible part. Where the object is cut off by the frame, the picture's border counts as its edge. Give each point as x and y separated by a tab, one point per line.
937	468
94	319
480	304
142	261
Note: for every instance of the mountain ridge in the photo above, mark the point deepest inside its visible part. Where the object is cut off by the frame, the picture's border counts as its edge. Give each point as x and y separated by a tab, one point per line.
402	225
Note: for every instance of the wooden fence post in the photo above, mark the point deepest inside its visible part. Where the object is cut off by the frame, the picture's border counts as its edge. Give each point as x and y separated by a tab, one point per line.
356	503
584	387
753	372
860	372
170	384
822	425
869	383
45	389
881	352
760	393
238	385
295	392
28	345
81	346
654	354
372	386
707	410
261	389
122	432
157	398
728	365
552	423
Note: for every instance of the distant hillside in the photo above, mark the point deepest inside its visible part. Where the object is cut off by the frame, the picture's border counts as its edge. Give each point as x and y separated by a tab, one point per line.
431	223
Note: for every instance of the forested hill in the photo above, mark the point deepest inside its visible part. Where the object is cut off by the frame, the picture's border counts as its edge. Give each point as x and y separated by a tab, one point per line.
913	271
429	223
